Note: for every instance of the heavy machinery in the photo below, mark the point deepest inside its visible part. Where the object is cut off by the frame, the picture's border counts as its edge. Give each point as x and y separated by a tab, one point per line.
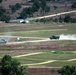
3	41
54	37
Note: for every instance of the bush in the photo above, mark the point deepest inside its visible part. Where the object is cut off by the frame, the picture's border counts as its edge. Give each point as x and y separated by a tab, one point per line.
67	18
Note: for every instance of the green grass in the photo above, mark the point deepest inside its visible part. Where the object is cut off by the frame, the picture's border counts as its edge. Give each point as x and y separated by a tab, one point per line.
61	63
41	30
40	33
48	56
44	30
60	56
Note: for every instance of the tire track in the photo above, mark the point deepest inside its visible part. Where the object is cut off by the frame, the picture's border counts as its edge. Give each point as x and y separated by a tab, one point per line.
27	54
46	62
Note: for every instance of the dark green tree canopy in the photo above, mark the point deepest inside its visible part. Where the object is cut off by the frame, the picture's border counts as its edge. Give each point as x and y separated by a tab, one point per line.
68	70
15	7
36	5
1	1
10	66
74	5
2	11
67	18
3	15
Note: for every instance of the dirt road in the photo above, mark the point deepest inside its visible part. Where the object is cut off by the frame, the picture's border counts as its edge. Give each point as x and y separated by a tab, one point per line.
46	62
27	54
41	63
62	13
71	60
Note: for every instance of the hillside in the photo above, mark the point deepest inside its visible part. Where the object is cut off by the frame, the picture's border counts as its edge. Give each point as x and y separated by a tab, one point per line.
43	45
31	9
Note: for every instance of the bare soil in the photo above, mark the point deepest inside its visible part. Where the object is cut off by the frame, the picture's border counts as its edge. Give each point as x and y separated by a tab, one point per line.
43	71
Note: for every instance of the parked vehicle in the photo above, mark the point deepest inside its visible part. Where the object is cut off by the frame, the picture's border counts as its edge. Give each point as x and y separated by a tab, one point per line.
2	41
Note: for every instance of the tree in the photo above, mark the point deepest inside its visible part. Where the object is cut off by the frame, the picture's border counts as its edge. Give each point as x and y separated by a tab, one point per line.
29	11
3	15
67	18
26	12
73	5
43	4
10	66
47	9
68	70
55	7
36	5
15	7
5	18
1	1
61	19
2	11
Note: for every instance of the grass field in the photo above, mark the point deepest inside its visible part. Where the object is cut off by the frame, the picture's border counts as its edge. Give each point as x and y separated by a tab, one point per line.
39	56
38	29
55	53
60	57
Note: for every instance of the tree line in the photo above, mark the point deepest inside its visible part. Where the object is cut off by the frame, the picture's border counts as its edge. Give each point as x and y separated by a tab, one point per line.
36	6
66	19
